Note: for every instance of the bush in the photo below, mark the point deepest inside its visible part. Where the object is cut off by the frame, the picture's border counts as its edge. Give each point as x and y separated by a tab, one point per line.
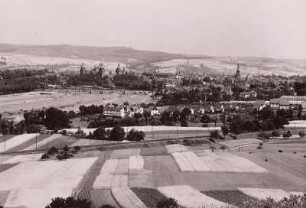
135	135
100	133
188	142
212	148
215	135
77	148
301	134
212	140
67	155
66	148
64	132
205	125
117	134
59	157
263	136
280	151
69	202
275	134
167	203
45	156
287	134
107	206
294	201
52	151
223	147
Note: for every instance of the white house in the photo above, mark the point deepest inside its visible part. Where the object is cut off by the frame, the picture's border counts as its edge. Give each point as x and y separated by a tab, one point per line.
114	111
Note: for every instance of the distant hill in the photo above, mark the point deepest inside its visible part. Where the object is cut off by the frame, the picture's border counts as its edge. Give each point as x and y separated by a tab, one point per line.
119	54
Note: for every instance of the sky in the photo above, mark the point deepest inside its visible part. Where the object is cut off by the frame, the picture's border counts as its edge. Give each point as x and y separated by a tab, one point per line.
265	28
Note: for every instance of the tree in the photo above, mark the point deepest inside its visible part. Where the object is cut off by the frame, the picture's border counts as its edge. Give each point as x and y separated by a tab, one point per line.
185	112
176	115
33	128
224	130
248	126
117	134
205	118
100	133
147	115
69	202
184	122
223	147
215	134
56	119
236	124
167	203
135	135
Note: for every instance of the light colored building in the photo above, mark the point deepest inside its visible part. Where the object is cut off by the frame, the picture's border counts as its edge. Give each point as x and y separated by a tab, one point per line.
114	111
294	99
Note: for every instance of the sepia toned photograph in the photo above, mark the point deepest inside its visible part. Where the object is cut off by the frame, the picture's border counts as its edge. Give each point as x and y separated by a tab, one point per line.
152	104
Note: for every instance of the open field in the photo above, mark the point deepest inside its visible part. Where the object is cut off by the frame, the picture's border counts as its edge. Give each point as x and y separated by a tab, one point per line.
23	158
232	197
149	196
240	142
65	99
15	141
227	162
175	148
33	184
126	198
43	142
258	193
211	177
188	161
15	59
59	143
101	197
125	153
189	197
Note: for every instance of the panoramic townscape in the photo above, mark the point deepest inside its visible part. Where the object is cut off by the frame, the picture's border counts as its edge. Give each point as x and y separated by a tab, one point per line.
118	127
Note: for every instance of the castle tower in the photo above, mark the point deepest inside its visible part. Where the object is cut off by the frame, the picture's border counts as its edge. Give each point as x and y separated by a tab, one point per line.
101	70
82	70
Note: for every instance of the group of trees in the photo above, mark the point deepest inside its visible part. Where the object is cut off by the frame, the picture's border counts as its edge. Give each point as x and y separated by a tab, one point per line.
90	110
132	82
52	119
263	120
213	94
110	122
170	119
117	134
300	88
293	201
24	80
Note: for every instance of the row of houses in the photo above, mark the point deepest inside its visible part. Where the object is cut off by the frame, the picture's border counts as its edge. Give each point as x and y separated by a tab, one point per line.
284	102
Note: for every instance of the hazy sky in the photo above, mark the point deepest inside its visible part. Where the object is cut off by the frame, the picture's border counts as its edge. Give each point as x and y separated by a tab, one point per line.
275	28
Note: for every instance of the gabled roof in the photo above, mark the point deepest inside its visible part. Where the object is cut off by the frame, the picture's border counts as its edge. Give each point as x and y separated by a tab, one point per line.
117	109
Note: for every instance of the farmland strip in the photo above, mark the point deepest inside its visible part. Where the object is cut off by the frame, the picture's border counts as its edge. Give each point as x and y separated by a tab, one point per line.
187	196
126	198
195	161
15	141
43	142
182	162
136	162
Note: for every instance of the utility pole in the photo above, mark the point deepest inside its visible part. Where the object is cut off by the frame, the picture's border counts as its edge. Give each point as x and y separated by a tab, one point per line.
36	141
